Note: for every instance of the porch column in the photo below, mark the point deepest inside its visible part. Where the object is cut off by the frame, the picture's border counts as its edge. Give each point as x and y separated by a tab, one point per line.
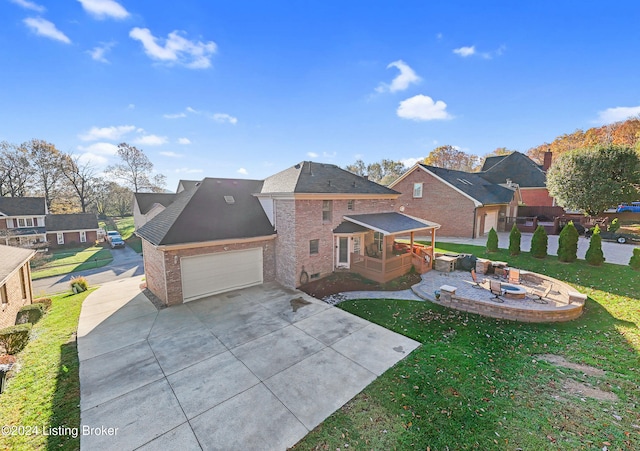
384	253
411	242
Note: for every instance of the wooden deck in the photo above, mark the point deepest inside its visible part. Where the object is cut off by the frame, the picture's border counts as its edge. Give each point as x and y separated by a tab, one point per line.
384	270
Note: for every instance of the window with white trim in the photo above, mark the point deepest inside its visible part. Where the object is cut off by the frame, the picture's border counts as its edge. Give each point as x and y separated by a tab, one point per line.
417	190
314	247
83	236
60	237
25	222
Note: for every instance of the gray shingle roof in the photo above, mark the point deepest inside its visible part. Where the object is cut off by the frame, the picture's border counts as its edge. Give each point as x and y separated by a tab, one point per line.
201	213
517	167
147	200
390	223
11	258
71	221
319	178
22	206
474	185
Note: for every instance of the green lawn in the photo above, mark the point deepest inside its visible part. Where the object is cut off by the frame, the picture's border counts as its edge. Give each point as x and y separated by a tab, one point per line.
65	261
126	228
46	389
477	383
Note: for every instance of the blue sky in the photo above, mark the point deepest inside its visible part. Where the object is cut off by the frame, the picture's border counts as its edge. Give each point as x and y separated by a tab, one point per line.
245	89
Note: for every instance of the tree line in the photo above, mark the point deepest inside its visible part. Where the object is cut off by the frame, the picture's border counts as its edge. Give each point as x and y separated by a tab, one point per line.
68	183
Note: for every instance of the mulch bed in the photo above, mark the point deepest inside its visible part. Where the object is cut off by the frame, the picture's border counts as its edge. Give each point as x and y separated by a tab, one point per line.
343	281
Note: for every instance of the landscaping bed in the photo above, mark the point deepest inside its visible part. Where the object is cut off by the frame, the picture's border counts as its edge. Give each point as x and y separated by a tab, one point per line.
344	281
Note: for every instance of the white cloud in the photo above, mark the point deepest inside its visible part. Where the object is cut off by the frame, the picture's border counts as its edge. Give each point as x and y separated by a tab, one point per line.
408	162
439	36
93	159
188	171
174	116
422	108
102	9
465	51
43	27
224	118
191	110
100	148
171	154
312	155
184	141
242	171
329	155
131	106
619	113
176	49
110	133
406	77
26	4
97	53
151	140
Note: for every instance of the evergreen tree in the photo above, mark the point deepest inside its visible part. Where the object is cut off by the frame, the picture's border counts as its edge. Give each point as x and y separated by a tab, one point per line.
614	226
568	243
635	259
514	241
492	241
594	255
539	243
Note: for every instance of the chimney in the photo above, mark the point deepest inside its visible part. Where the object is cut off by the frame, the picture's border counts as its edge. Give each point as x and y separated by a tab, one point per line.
547	160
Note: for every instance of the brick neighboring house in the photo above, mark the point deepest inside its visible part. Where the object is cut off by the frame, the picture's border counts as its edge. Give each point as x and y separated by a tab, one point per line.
71	229
15	282
299	224
22	221
517	168
465	203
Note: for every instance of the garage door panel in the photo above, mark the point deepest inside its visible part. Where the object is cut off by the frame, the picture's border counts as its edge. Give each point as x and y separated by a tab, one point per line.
210	274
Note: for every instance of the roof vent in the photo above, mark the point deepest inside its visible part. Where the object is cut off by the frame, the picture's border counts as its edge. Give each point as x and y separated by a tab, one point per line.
229	199
297	166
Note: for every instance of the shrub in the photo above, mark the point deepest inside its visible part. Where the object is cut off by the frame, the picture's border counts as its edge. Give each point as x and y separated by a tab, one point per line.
79	284
594	255
614	226
13	339
514	241
492	241
635	259
568	243
44	301
30	314
539	243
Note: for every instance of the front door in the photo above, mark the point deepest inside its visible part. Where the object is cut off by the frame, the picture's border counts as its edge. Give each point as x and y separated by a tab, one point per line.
343	252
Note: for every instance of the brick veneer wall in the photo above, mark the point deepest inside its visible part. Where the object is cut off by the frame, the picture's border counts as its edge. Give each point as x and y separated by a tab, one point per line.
285	223
536	197
309	226
14	296
439	203
164	277
72	238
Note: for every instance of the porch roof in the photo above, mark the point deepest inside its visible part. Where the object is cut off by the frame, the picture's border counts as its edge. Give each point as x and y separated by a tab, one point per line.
391	223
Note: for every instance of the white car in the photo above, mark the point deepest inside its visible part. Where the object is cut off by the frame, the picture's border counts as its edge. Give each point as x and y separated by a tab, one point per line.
111	234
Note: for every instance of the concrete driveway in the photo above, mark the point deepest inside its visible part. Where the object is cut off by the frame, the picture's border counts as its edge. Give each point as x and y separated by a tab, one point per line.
252	369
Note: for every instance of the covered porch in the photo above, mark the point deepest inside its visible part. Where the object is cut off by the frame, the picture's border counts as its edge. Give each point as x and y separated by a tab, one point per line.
366	244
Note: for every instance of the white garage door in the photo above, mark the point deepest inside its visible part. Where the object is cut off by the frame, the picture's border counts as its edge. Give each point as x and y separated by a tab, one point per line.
209	274
491	220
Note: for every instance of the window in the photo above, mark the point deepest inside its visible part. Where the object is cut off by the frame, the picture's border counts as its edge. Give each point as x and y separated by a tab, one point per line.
378	238
83	236
3	295
327	210
417	190
21	222
351	205
314	245
25	222
356	245
60	237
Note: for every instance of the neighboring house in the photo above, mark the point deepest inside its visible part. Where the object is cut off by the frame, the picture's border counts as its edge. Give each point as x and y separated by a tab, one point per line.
519	169
15	282
71	229
465	203
297	225
148	205
22	220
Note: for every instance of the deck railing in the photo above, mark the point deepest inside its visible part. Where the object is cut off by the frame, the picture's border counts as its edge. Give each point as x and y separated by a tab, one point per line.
394	266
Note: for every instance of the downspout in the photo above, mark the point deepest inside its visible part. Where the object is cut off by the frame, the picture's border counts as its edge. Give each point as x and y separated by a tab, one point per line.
475	216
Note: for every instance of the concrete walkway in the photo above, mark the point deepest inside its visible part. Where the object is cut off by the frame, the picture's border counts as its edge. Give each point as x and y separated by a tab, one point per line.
253	369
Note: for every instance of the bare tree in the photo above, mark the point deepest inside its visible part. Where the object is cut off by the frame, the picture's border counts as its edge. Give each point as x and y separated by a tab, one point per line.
81	176
15	170
46	163
134	170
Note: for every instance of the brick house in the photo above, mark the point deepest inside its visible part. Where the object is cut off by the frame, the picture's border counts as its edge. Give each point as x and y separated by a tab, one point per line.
22	221
519	169
299	224
71	229
466	204
15	282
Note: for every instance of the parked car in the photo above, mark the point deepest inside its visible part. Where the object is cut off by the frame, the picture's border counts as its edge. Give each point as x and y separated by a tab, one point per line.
113	233
633	207
621	238
116	241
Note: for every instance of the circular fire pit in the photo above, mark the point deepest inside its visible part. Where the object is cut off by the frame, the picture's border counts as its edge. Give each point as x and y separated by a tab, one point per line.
513	291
